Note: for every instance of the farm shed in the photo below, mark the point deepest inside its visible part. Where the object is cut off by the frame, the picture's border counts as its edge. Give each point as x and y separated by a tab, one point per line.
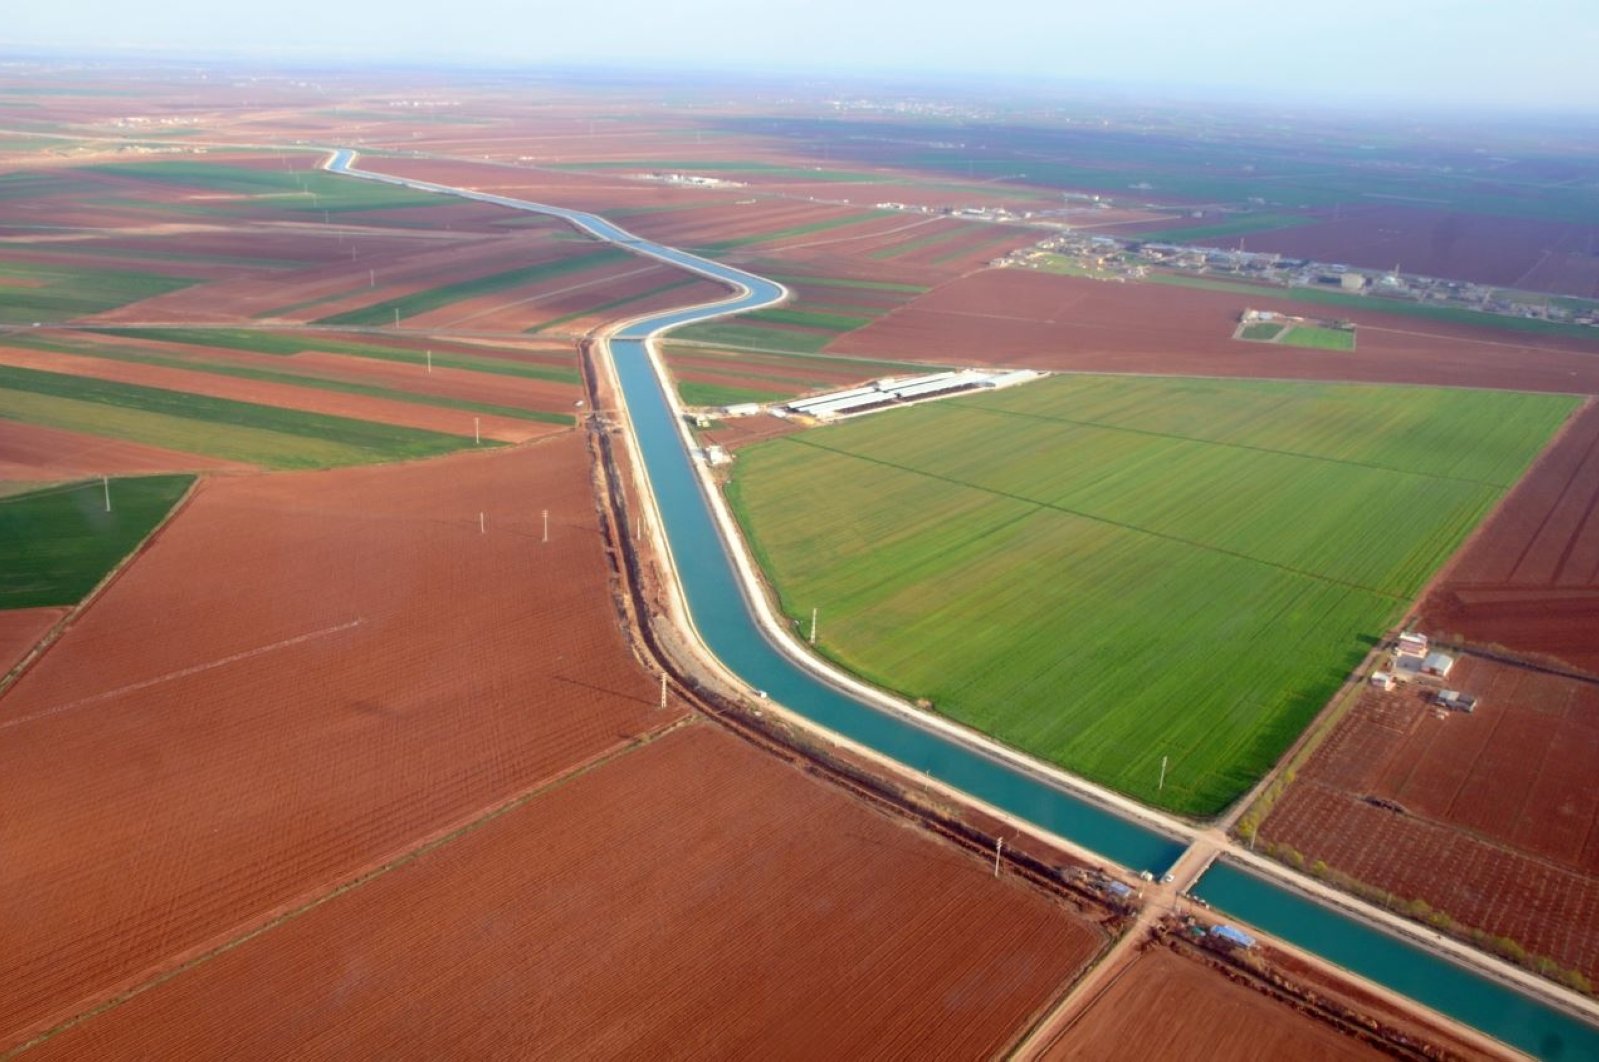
1438	664
1232	936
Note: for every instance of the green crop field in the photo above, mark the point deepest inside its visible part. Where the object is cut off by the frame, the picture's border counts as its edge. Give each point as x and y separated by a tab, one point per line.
696	393
32	292
1318	338
1107	571
383	313
57	543
195	363
299	342
300	189
1260	332
238	431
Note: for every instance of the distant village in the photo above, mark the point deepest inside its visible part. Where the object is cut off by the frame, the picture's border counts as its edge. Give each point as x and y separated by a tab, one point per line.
1128	258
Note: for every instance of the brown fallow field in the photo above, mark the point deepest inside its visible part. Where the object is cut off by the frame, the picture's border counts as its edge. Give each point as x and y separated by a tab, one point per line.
1499	827
21	629
1045	321
35	453
1166	1005
303	676
691	898
1529	580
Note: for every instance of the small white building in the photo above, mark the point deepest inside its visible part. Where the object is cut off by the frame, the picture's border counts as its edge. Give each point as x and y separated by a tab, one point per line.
1383	680
742	409
1437	664
1412	644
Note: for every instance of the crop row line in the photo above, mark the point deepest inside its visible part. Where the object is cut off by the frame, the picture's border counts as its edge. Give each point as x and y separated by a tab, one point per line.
1108	521
1233	445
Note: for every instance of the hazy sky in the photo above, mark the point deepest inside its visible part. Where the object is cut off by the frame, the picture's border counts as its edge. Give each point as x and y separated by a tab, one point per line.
1513	52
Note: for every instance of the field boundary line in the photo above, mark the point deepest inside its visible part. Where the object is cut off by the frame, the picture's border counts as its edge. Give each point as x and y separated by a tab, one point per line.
194	669
1101	520
304	904
53	635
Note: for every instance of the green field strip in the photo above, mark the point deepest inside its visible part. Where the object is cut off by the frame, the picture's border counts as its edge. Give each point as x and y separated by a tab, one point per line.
800	173
291	343
1003	236
1314	338
57	544
1262	333
72	291
614	304
298	190
844	282
1135	593
789	233
918	244
320	383
756	354
829	322
433	298
783	340
698	393
243	431
1242	225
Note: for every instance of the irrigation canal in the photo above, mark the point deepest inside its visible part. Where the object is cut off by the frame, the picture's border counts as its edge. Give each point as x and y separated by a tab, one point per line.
727	625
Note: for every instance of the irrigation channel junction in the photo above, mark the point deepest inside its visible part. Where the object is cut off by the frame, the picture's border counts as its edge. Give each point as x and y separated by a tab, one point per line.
739	635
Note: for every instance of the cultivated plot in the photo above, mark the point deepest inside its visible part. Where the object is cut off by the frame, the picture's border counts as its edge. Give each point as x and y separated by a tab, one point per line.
1112	573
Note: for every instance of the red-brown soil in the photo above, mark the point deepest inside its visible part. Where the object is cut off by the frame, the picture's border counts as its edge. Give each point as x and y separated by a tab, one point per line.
692	898
1165	1005
1024	318
741	431
1501	822
287	396
1526	253
20	631
303	675
1529	580
31	452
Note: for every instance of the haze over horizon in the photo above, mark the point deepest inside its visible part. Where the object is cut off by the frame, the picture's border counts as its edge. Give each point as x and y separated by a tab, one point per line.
1536	54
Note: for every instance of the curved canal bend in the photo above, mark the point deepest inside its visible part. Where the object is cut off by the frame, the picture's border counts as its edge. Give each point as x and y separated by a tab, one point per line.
726	623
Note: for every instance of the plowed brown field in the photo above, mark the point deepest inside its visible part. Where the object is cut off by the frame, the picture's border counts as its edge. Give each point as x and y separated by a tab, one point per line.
286	396
20	631
302	676
33	452
1530	579
693	898
1167	1006
1501	822
1038	320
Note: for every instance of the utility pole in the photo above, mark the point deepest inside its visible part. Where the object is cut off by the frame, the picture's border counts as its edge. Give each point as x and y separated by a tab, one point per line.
105	481
482	524
430	361
546	525
813	626
477	431
371	274
663	689
1162	784
999	847
396	317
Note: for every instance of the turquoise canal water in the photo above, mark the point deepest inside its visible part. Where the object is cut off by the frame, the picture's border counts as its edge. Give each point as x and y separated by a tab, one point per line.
1501	1012
729	628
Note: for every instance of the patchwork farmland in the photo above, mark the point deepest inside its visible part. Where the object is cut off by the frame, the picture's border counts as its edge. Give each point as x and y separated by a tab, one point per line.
1111	572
